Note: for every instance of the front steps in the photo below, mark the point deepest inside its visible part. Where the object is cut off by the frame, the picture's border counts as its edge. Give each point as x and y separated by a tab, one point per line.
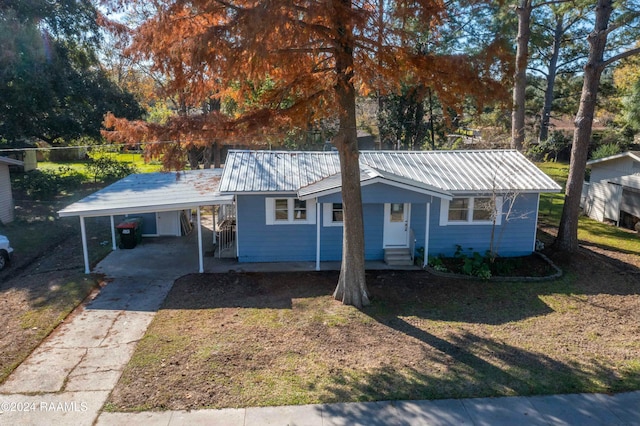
397	257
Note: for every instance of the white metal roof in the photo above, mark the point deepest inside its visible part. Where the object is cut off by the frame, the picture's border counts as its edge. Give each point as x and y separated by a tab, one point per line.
152	192
11	161
368	175
630	181
632	154
448	171
276	171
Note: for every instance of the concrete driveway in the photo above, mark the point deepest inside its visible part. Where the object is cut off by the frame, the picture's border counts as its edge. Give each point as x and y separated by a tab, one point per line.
68	378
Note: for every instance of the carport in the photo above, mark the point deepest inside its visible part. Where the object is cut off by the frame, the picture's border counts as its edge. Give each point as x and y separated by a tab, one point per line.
150	193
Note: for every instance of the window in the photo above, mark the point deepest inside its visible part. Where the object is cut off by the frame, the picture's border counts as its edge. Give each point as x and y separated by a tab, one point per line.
482	209
282	209
299	209
471	211
336	212
458	210
333	214
287	211
397	212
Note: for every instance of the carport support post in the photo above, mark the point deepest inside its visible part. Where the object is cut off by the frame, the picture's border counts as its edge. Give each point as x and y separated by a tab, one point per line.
425	261
113	234
85	251
201	269
317	235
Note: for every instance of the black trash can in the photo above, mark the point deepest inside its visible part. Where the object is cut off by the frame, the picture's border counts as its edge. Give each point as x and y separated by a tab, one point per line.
130	231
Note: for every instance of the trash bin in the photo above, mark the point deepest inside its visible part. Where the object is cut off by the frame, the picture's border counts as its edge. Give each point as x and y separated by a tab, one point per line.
130	231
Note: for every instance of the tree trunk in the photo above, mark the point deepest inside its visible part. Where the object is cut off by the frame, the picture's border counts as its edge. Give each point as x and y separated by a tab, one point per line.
193	155
520	75
352	287
568	232
551	79
216	154
206	156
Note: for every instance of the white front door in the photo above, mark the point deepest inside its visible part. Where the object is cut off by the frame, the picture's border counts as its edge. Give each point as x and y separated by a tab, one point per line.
396	224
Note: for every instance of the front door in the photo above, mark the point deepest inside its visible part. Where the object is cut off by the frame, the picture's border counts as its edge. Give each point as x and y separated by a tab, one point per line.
396	224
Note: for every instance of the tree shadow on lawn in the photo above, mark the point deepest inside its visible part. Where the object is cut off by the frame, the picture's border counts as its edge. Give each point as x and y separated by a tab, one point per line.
274	290
469	375
408	293
415	306
395	293
465	364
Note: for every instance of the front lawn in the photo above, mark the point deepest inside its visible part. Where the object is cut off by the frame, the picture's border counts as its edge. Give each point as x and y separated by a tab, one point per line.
235	340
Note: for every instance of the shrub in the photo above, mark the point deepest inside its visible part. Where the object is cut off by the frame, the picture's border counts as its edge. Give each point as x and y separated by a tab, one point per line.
105	168
45	184
605	150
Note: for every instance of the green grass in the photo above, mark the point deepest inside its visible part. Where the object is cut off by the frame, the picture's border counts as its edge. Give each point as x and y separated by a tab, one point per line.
589	231
133	158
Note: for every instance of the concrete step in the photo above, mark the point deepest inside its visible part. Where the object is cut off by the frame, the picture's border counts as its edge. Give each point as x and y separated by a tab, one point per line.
397	257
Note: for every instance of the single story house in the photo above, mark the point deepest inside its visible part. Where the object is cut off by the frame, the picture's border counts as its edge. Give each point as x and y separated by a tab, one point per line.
7	207
289	204
613	191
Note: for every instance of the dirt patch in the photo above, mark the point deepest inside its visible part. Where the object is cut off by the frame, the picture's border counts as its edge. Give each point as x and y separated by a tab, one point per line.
229	340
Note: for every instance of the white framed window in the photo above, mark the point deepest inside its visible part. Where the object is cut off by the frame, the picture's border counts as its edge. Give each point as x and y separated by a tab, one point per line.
332	214
289	211
471	211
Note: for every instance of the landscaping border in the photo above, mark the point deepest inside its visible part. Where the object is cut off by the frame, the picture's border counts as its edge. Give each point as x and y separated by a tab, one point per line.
557	274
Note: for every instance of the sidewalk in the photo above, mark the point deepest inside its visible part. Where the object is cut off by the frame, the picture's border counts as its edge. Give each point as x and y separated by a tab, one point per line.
576	409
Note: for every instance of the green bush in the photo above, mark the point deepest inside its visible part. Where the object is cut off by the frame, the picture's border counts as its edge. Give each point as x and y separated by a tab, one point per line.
45	184
105	168
605	150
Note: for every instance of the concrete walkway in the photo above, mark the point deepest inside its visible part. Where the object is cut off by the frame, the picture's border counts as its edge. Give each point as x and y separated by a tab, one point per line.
68	378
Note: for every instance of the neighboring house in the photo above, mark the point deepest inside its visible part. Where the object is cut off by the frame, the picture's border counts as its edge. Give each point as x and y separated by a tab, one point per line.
613	191
6	197
289	204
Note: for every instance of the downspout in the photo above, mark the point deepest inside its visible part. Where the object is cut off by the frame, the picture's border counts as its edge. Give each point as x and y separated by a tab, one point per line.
200	258
317	235
113	234
85	250
215	224
425	260
235	201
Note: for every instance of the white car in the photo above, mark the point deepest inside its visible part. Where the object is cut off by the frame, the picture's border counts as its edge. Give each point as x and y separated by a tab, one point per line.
5	252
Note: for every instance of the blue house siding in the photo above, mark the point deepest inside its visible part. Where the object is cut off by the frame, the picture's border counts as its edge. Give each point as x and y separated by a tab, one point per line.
418	221
514	237
259	242
149	224
380	193
331	236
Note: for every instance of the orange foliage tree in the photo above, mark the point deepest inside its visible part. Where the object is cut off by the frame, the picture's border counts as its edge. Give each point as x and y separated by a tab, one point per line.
288	63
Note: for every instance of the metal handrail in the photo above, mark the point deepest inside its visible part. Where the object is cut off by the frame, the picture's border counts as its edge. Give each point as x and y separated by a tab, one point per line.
412	244
226	228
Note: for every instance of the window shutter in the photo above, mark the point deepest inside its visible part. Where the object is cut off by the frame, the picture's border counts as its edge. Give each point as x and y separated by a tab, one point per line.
444	212
270	211
499	201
